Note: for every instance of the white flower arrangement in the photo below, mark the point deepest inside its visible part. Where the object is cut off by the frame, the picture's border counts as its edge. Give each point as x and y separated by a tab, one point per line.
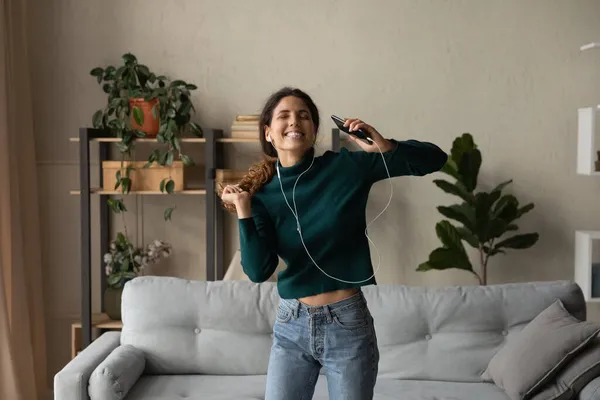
124	261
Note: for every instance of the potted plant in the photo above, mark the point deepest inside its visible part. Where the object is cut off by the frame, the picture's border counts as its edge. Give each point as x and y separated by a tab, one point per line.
123	262
485	215
141	104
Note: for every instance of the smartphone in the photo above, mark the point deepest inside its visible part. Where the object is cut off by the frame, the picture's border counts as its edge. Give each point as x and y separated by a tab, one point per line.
361	134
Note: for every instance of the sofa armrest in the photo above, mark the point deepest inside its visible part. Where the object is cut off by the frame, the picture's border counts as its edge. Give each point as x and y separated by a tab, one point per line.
117	374
71	382
591	391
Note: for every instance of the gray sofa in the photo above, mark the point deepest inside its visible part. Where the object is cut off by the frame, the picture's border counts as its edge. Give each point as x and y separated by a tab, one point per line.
211	340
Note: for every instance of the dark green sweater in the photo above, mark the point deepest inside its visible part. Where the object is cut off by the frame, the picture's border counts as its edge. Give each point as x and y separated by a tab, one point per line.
331	200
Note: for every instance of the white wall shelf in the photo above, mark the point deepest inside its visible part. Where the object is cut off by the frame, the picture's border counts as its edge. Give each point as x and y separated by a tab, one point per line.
584	260
586	141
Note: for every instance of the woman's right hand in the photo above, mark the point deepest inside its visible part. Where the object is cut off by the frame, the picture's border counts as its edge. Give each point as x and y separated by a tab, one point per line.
233	194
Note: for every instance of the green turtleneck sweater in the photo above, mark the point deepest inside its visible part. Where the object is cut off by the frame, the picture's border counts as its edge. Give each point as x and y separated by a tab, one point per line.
331	200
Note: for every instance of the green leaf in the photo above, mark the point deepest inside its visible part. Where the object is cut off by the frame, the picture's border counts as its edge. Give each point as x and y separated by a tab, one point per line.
468	168
425	267
451	169
138	115
501	186
191	87
196	129
97	72
97	119
126	185
497	227
162	185
169	213
139	133
118	179
117	206
506	208
129	58
185	108
449	235
170	186
456	189
125	266
187	160
469	237
129	275
113	279
443	258
177	82
463	213
155	111
522	241
524	209
176	144
151	158
170	156
450	258
460	145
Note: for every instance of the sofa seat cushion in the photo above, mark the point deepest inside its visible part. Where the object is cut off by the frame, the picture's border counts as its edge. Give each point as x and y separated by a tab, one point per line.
220	387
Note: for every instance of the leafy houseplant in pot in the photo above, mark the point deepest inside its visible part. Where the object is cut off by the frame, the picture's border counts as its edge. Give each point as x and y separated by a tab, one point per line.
141	104
485	216
123	263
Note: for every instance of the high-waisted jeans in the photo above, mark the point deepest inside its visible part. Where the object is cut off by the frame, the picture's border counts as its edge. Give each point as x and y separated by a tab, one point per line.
338	337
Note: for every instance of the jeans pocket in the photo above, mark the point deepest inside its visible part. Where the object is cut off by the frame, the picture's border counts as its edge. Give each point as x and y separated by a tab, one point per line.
352	318
284	313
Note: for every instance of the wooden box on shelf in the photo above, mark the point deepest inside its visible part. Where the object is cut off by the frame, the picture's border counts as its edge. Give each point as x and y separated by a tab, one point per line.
143	179
228	176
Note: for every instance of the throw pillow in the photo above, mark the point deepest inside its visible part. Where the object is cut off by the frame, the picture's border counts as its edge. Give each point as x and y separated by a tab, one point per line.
574	376
531	359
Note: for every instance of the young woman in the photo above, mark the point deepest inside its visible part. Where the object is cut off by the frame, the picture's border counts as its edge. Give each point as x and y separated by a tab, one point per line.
310	211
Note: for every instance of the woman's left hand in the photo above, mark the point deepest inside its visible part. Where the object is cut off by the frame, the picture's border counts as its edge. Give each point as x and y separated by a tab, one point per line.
355	124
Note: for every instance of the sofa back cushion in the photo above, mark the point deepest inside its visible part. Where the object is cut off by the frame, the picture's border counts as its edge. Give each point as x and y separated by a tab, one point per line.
225	327
452	333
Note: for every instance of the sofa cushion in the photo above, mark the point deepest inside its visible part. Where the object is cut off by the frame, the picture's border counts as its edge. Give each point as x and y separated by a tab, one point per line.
424	333
531	359
201	387
571	379
114	377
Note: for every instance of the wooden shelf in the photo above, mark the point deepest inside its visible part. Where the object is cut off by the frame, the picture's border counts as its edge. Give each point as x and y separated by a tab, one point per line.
143	192
148	140
184	140
99	321
237	140
102	321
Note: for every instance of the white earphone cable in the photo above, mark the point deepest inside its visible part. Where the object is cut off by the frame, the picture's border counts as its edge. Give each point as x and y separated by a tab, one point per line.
299	228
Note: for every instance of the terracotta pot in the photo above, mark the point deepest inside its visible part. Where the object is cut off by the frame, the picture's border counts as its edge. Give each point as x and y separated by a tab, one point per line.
151	125
112	303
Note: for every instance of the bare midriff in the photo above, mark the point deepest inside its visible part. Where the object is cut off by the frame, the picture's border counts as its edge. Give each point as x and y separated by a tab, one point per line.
329	297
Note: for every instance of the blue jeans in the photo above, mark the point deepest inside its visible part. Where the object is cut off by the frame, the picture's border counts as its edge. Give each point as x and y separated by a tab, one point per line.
338	337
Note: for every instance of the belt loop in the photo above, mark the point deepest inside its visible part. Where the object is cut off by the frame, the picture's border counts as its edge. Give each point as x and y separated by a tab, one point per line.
327	313
296	310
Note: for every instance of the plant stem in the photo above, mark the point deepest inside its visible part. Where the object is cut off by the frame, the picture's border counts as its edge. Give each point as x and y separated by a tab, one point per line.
483	262
128	241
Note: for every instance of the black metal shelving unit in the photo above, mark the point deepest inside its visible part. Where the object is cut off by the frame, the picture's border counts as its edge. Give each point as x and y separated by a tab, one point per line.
212	141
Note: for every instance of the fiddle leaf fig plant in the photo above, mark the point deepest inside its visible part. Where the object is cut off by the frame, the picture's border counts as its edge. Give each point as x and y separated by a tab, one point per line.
484	216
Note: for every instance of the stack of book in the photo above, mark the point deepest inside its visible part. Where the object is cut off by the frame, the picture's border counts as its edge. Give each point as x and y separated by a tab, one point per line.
245	126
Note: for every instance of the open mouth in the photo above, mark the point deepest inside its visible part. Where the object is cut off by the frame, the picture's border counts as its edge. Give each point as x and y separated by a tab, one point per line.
294	134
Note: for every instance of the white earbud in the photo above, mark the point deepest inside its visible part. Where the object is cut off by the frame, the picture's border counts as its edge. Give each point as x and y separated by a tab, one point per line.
299	228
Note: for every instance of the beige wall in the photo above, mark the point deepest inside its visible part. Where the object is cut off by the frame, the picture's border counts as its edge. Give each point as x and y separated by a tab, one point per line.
509	72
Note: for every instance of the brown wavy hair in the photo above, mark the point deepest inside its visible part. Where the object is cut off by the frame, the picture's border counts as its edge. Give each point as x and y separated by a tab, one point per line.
263	171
